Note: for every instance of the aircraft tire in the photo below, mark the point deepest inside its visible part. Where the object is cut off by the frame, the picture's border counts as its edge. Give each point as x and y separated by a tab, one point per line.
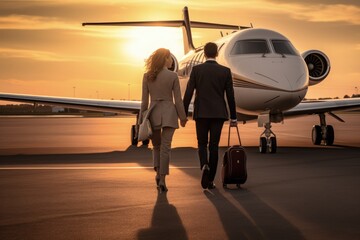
316	135
263	145
330	135
273	145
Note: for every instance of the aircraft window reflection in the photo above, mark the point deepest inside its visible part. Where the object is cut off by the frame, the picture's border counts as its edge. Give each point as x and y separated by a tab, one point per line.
250	47
283	47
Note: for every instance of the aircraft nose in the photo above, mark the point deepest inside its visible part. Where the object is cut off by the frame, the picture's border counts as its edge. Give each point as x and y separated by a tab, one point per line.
285	74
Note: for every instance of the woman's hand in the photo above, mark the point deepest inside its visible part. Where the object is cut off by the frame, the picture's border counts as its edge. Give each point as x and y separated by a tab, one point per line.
183	122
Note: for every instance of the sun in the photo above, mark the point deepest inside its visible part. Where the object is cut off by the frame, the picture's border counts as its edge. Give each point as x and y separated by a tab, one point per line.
142	41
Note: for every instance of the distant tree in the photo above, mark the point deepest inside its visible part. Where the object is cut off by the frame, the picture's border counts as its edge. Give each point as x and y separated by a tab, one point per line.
346	96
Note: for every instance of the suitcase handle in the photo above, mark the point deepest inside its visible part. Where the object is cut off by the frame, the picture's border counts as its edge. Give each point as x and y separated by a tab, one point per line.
238	134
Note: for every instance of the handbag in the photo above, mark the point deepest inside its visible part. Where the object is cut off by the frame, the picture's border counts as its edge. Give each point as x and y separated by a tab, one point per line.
145	129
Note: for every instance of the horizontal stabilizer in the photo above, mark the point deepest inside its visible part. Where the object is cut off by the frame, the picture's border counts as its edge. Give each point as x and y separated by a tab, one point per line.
176	23
186	24
171	23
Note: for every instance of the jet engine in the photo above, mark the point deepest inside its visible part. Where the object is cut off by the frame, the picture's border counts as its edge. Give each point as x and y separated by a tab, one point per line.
318	65
175	65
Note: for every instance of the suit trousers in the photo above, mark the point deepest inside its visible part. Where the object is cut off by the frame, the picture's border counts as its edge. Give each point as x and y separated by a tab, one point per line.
208	131
161	140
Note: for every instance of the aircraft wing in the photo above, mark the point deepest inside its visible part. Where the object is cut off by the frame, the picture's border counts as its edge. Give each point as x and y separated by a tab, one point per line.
115	106
313	107
323	106
133	107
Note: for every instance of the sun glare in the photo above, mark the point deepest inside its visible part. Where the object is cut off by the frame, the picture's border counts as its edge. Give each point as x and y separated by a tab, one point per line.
142	41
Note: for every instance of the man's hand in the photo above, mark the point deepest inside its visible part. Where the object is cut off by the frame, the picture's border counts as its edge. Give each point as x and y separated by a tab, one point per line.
233	122
183	122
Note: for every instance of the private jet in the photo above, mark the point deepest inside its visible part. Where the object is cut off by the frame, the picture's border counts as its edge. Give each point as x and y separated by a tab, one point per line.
270	79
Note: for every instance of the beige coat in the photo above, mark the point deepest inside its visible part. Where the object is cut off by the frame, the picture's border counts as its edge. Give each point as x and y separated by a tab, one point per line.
164	91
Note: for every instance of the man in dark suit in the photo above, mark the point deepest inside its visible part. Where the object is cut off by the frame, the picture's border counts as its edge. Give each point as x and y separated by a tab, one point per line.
211	81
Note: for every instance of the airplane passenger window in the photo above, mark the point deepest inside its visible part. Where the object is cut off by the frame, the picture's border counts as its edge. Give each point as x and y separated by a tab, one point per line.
284	47
252	46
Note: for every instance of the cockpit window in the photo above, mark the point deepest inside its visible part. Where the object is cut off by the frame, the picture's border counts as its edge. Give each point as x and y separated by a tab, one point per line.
252	46
284	47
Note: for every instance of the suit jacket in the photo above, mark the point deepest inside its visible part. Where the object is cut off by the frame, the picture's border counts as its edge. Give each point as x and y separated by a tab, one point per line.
164	91
211	80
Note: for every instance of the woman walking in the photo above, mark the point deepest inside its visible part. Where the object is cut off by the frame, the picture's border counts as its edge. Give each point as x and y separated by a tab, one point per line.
162	87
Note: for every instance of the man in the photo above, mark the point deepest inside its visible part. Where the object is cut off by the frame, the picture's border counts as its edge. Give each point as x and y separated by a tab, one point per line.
211	81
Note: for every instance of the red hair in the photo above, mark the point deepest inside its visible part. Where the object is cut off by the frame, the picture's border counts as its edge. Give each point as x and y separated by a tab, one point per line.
155	63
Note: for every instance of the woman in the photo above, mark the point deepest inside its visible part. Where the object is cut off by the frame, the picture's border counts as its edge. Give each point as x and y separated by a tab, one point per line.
162	85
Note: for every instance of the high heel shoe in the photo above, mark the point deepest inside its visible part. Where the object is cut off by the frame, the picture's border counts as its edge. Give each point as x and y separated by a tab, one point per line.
162	185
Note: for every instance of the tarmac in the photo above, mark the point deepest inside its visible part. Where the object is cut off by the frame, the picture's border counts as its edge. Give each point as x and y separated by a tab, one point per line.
78	178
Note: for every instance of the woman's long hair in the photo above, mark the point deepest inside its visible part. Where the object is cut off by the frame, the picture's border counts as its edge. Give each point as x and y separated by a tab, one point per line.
156	62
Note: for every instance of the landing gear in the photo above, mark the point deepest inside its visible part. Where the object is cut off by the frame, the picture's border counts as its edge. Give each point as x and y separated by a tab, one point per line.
316	135
267	140
323	133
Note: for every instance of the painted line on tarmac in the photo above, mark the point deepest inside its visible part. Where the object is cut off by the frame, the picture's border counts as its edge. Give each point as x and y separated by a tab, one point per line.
86	168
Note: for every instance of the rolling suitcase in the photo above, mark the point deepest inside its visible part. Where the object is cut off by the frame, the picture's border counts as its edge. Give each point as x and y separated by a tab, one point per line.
234	164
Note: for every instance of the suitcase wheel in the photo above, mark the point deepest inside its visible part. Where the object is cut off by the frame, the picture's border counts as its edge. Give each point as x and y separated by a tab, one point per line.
238	186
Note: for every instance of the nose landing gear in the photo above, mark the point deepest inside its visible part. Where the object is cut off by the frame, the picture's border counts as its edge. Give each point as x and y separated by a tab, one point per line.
268	140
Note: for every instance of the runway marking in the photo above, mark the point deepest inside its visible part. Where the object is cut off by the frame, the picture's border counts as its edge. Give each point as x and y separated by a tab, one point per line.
85	168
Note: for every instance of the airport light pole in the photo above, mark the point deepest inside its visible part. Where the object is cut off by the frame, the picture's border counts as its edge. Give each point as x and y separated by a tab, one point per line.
74	91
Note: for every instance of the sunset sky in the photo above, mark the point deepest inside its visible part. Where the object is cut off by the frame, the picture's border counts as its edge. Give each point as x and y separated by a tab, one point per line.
45	50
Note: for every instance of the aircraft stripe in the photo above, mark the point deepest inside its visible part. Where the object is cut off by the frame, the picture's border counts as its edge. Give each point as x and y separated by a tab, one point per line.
239	82
87	168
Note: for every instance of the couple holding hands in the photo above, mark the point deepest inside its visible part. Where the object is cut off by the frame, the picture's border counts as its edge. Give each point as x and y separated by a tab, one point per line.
210	81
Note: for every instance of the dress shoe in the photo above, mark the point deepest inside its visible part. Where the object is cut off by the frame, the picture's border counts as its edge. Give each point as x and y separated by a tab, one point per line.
162	188
211	185
205	176
157	180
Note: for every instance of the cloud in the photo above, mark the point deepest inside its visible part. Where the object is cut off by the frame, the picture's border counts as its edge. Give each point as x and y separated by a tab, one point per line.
312	11
29	23
25	22
49	56
327	13
34	55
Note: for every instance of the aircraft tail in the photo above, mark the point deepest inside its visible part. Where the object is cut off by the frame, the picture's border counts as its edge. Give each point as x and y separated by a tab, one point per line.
186	24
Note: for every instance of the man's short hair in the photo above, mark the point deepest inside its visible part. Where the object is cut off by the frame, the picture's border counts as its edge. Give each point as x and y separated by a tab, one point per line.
210	50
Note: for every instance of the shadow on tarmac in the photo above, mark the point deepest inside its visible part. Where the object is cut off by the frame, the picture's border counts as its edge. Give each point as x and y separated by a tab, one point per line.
252	219
165	220
243	214
182	155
